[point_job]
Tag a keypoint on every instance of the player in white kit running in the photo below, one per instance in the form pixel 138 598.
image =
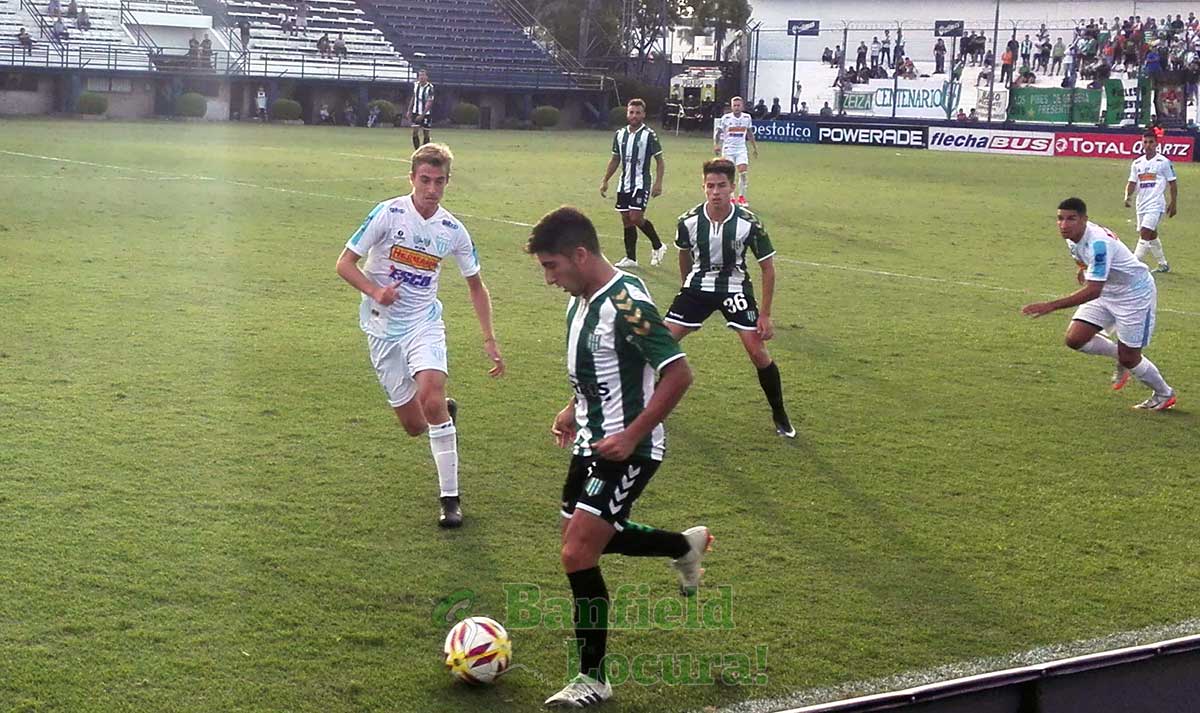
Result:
pixel 404 241
pixel 1118 292
pixel 1151 176
pixel 730 136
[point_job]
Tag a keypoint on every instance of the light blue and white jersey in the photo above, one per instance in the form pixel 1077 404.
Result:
pixel 1105 259
pixel 405 251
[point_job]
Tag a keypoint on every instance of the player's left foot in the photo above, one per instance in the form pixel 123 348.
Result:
pixel 1163 267
pixel 783 425
pixel 1158 402
pixel 625 262
pixel 451 516
pixel 581 692
pixel 657 255
pixel 1120 377
pixel 688 566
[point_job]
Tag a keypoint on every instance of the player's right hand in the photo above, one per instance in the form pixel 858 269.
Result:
pixel 385 295
pixel 563 428
pixel 1126 202
pixel 604 190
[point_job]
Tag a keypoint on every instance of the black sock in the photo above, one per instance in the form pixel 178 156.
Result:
pixel 591 619
pixel 638 540
pixel 648 229
pixel 631 243
pixel 768 379
pixel 426 136
pixel 416 142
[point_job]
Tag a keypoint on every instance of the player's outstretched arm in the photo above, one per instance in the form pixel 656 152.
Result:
pixel 481 300
pixel 1087 293
pixel 673 382
pixel 347 269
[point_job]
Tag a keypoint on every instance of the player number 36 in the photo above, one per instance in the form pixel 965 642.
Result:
pixel 736 303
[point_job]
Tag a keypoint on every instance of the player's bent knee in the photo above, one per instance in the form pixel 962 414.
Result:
pixel 1129 357
pixel 576 557
pixel 1074 342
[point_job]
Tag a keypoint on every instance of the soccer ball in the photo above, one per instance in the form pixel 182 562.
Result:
pixel 477 650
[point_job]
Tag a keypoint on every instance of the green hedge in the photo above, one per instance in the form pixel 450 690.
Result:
pixel 514 124
pixel 465 113
pixel 92 103
pixel 617 117
pixel 387 110
pixel 285 109
pixel 191 104
pixel 545 117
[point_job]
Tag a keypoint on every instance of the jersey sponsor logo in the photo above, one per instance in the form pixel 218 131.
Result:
pixel 404 277
pixel 399 236
pixel 591 390
pixel 413 258
pixel 395 209
pixel 450 224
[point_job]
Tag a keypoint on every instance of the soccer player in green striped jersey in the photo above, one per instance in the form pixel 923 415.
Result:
pixel 713 239
pixel 616 346
pixel 633 147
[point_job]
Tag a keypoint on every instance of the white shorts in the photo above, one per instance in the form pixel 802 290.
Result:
pixel 397 361
pixel 1149 221
pixel 1134 319
pixel 739 157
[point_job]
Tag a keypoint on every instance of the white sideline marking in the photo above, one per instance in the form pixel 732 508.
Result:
pixel 797 702
pixel 375 158
pixel 329 196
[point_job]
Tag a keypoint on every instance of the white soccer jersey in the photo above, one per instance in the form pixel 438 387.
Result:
pixel 405 251
pixel 732 130
pixel 1151 175
pixel 1106 259
pixel 422 94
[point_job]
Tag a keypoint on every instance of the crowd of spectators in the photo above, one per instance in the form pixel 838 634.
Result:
pixel 58 29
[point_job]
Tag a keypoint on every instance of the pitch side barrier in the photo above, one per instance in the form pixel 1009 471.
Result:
pixel 956 136
pixel 1163 677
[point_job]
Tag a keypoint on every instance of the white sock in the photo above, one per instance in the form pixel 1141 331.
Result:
pixel 1148 374
pixel 1140 251
pixel 443 441
pixel 744 181
pixel 1100 346
pixel 1157 251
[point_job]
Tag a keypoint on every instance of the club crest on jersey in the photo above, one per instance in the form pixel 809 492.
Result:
pixel 593 486
pixel 443 244
pixel 421 242
pixel 413 258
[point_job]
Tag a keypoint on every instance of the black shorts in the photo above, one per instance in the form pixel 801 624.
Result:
pixel 633 201
pixel 605 488
pixel 691 307
pixel 420 120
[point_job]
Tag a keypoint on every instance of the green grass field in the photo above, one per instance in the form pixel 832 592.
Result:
pixel 206 504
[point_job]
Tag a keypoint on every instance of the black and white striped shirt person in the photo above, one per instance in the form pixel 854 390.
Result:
pixel 421 108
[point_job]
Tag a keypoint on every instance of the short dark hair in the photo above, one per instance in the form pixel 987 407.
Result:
pixel 1149 134
pixel 722 166
pixel 561 231
pixel 1075 204
pixel 636 102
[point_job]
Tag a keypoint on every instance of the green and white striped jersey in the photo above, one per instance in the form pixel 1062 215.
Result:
pixel 635 149
pixel 719 248
pixel 616 343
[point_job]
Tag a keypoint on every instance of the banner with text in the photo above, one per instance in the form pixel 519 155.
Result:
pixel 890 135
pixel 1017 143
pixel 999 101
pixel 1055 106
pixel 1123 146
pixel 791 132
pixel 910 98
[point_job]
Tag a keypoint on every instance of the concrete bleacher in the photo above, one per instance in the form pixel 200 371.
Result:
pixel 273 50
pixel 465 40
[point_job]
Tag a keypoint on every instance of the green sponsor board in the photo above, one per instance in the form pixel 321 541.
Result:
pixel 859 101
pixel 1055 106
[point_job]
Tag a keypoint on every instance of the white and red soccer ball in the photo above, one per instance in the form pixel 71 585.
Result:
pixel 477 650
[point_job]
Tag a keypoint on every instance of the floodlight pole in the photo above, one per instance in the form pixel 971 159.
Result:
pixel 795 57
pixel 992 73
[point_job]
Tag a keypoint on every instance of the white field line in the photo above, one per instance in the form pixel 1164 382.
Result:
pixel 330 196
pixel 1043 654
pixel 374 158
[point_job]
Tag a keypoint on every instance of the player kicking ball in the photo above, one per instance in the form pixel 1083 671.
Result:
pixel 712 239
pixel 730 135
pixel 1118 292
pixel 627 374
pixel 405 240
